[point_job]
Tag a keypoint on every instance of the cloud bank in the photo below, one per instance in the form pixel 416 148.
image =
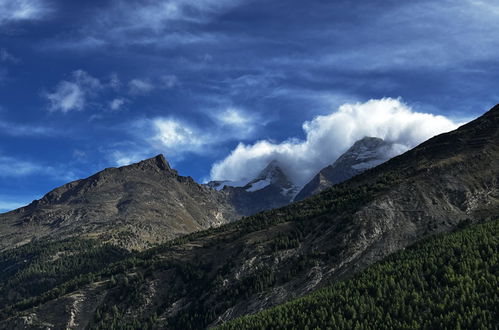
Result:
pixel 327 137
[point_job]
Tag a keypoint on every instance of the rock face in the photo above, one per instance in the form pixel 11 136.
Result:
pixel 363 155
pixel 271 188
pixel 132 206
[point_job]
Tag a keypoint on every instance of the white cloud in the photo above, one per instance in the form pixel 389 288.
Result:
pixel 140 86
pixel 72 95
pixel 126 158
pixel 117 104
pixel 327 137
pixel 175 136
pixel 233 117
pixel 23 10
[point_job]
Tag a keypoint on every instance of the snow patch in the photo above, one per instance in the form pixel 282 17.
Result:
pixel 259 185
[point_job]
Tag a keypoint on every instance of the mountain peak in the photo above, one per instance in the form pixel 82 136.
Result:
pixel 367 142
pixel 365 153
pixel 158 161
pixel 272 171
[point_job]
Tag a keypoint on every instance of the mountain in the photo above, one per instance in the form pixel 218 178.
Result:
pixel 209 277
pixel 271 188
pixel 133 206
pixel 364 154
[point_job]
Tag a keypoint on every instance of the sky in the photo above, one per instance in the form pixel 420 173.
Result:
pixel 223 87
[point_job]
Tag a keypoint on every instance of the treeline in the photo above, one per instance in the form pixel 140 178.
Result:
pixel 447 282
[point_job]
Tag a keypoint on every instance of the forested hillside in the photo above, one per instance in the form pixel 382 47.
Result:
pixel 447 282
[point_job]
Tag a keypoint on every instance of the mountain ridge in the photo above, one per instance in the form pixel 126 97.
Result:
pixel 143 203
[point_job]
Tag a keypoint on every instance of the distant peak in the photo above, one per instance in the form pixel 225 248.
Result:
pixel 270 169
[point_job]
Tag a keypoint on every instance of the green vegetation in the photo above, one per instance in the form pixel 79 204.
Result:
pixel 447 282
pixel 36 268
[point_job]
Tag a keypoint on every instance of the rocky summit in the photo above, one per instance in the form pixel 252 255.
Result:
pixel 133 206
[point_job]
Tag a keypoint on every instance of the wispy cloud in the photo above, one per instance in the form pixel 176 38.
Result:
pixel 22 130
pixel 12 167
pixel 177 137
pixel 117 104
pixel 140 86
pixel 144 86
pixel 73 94
pixel 152 23
pixel 5 56
pixel 23 10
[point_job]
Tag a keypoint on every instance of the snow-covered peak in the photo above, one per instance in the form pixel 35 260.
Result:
pixel 365 153
pixel 271 175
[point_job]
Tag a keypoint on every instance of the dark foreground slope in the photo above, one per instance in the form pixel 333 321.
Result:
pixel 447 282
pixel 131 206
pixel 264 260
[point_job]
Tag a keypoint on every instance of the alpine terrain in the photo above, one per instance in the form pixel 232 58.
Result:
pixel 132 206
pixel 72 280
pixel 269 189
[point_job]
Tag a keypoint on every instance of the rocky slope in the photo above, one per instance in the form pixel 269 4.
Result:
pixel 132 206
pixel 271 188
pixel 363 155
pixel 209 277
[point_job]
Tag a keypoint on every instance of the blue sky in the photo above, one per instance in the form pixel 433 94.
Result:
pixel 221 87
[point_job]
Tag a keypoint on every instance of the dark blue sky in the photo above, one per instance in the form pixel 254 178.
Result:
pixel 92 84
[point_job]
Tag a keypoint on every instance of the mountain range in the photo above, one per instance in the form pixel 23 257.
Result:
pixel 69 269
pixel 143 204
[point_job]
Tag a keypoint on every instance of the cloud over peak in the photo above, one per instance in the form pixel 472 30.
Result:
pixel 328 136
